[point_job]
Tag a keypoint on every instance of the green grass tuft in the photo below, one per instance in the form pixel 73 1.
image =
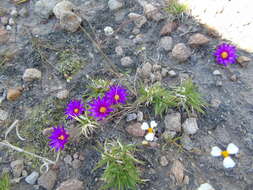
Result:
pixel 5 182
pixel 176 8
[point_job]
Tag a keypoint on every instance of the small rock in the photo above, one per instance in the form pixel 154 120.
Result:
pixel 63 94
pixel 76 155
pixel 219 83
pixel 140 116
pixel 68 159
pixel 152 12
pixel 31 74
pixel 32 178
pixel 71 184
pixel 126 61
pixel 47 180
pixel 14 93
pixel 81 157
pixel 139 20
pixel 158 76
pixel 115 4
pixel 24 173
pixel 131 117
pixel 164 72
pixel 146 69
pixel 215 102
pixel 119 50
pixel 233 78
pixel 135 130
pixel 168 28
pixel 76 164
pixel 8 27
pixel 69 21
pixel 44 8
pixel 62 7
pixel 243 59
pixel 181 52
pixel 14 12
pixel 108 31
pixel 4 36
pixel 11 21
pixel 166 43
pixel 24 12
pixel 4 20
pixel 205 186
pixel 47 131
pixel 164 161
pixel 173 122
pixel 3 115
pixel 17 167
pixel 217 72
pixel 197 40
pixel 157 67
pixel 186 142
pixel 190 126
pixel 172 73
pixel 177 170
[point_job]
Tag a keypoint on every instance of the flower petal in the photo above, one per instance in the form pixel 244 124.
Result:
pixel 144 126
pixel 232 148
pixel 216 151
pixel 228 162
pixel 153 124
pixel 150 136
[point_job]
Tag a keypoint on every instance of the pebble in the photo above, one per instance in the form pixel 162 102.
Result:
pixel 219 83
pixel 234 78
pixel 68 159
pixel 126 61
pixel 115 4
pixel 47 180
pixel 71 184
pixel 152 12
pixel 190 126
pixel 215 102
pixel 4 20
pixel 32 178
pixel 172 73
pixel 243 59
pixel 177 170
pixel 44 8
pixel 157 67
pixel 14 93
pixel 166 43
pixel 108 31
pixel 3 115
pixel 135 130
pixel 63 94
pixel 24 173
pixel 146 69
pixel 197 40
pixel 131 117
pixel 168 28
pixel 8 27
pixel 4 36
pixel 140 116
pixel 138 39
pixel 181 52
pixel 14 12
pixel 163 161
pixel 164 72
pixel 76 164
pixel 11 21
pixel 205 186
pixel 119 50
pixel 70 22
pixel 17 167
pixel 172 123
pixel 31 74
pixel 216 73
pixel 62 7
pixel 186 142
pixel 139 20
pixel 76 155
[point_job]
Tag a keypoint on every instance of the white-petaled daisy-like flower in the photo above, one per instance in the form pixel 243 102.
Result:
pixel 150 130
pixel 231 149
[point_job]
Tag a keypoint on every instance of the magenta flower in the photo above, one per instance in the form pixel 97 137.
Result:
pixel 117 94
pixel 225 54
pixel 100 108
pixel 74 109
pixel 59 138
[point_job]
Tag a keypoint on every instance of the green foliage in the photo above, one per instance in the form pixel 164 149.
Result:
pixel 120 171
pixel 175 8
pixel 5 182
pixel 185 96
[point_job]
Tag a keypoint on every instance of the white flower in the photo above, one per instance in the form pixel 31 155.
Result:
pixel 150 130
pixel 231 149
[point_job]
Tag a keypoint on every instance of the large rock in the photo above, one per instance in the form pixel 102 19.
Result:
pixel 44 8
pixel 71 184
pixel 135 130
pixel 47 180
pixel 181 52
pixel 62 7
pixel 17 167
pixel 115 4
pixel 197 40
pixel 190 126
pixel 31 74
pixel 166 43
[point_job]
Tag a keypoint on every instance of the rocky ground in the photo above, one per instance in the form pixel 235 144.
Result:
pixel 47 59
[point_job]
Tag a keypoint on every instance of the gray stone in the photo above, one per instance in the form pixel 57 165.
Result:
pixel 11 21
pixel 115 4
pixel 217 72
pixel 177 170
pixel 17 167
pixel 48 179
pixel 190 126
pixel 205 186
pixel 14 12
pixel 3 115
pixel 173 122
pixel 108 31
pixel 4 20
pixel 172 73
pixel 62 7
pixel 163 161
pixel 76 164
pixel 152 12
pixel 146 69
pixel 157 67
pixel 166 43
pixel 140 116
pixel 139 20
pixel 31 74
pixel 126 61
pixel 197 40
pixel 8 27
pixel 69 21
pixel 32 178
pixel 164 72
pixel 181 52
pixel 44 8
pixel 119 50
pixel 24 173
pixel 71 184
pixel 215 102
pixel 131 117
pixel 219 83
pixel 234 78
pixel 135 130
pixel 68 159
pixel 186 142
pixel 63 94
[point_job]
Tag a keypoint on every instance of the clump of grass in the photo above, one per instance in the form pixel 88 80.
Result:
pixel 185 96
pixel 5 182
pixel 120 171
pixel 176 8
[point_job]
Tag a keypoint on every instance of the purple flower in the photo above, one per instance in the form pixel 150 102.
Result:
pixel 59 138
pixel 117 94
pixel 74 109
pixel 100 108
pixel 225 54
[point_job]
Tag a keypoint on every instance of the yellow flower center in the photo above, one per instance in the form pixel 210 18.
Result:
pixel 61 137
pixel 116 97
pixel 224 54
pixel 76 110
pixel 150 130
pixel 102 109
pixel 225 154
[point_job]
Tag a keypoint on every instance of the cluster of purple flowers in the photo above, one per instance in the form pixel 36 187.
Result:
pixel 225 54
pixel 99 109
